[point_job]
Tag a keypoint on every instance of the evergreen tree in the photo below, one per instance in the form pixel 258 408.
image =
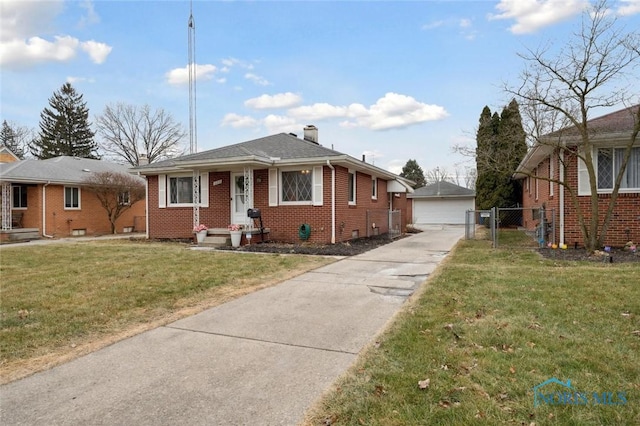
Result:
pixel 501 145
pixel 65 128
pixel 413 171
pixel 11 138
pixel 485 152
pixel 512 143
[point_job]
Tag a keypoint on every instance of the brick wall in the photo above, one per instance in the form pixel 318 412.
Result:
pixel 624 225
pixel 283 221
pixel 61 222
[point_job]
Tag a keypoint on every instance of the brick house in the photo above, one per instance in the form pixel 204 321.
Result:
pixel 47 198
pixel 292 181
pixel 611 134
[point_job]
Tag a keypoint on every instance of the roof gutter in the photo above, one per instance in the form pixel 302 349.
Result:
pixel 333 202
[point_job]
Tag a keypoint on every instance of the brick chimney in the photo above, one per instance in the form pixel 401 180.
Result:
pixel 143 160
pixel 311 133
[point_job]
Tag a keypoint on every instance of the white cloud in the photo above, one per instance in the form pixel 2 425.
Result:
pixel 395 166
pixel 21 44
pixel 35 50
pixel 21 19
pixel 629 7
pixel 280 124
pixel 261 81
pixel 98 52
pixel 239 121
pixel 465 23
pixel 280 100
pixel 72 80
pixel 91 17
pixel 178 76
pixel 391 111
pixel 532 15
pixel 432 25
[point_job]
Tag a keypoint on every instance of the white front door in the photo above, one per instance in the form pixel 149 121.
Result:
pixel 238 202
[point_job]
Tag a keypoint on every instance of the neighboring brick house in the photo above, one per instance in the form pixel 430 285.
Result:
pixel 611 133
pixel 47 198
pixel 292 181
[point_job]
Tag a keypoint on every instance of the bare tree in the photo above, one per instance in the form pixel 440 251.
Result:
pixel 438 175
pixel 557 93
pixel 16 138
pixel 117 192
pixel 129 131
pixel 470 177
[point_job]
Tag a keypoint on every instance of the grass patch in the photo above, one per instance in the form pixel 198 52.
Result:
pixel 488 327
pixel 63 300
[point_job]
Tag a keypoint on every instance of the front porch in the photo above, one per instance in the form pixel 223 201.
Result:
pixel 217 237
pixel 19 235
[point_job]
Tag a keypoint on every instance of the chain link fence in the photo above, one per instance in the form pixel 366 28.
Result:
pixel 383 221
pixel 505 227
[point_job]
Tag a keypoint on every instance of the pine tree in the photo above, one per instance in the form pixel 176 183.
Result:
pixel 65 128
pixel 485 153
pixel 10 138
pixel 413 171
pixel 501 145
pixel 512 143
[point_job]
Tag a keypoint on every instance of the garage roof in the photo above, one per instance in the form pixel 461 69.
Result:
pixel 442 189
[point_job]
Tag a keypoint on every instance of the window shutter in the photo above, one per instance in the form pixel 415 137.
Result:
pixel 162 191
pixel 273 187
pixel 204 189
pixel 583 178
pixel 317 186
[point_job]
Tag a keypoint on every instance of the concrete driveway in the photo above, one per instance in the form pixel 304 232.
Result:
pixel 262 359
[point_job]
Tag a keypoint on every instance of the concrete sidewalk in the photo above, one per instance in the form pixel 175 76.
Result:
pixel 262 359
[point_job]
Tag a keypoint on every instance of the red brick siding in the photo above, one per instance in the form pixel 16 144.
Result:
pixel 91 216
pixel 626 214
pixel 283 221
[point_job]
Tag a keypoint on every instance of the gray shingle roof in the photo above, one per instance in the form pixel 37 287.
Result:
pixel 442 189
pixel 282 146
pixel 62 169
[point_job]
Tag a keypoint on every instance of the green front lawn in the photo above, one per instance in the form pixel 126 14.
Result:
pixel 486 329
pixel 63 300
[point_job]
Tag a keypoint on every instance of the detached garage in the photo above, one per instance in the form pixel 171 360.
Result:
pixel 442 203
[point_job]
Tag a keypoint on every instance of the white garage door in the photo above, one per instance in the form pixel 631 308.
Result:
pixel 441 211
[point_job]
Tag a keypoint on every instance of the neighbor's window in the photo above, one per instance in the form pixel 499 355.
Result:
pixel 609 163
pixel 181 190
pixel 374 188
pixel 124 198
pixel 19 196
pixel 71 197
pixel 352 187
pixel 297 186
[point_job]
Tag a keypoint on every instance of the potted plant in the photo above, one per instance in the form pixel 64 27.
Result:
pixel 235 231
pixel 201 232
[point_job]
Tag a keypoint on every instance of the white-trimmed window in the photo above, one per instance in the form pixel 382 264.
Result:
pixel 19 196
pixel 297 186
pixel 374 188
pixel 609 161
pixel 71 198
pixel 124 198
pixel 180 190
pixel 177 190
pixel 352 187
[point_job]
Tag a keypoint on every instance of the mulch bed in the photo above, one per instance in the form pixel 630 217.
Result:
pixel 350 248
pixel 617 255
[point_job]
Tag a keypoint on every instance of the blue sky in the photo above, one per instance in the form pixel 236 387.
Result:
pixel 392 80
